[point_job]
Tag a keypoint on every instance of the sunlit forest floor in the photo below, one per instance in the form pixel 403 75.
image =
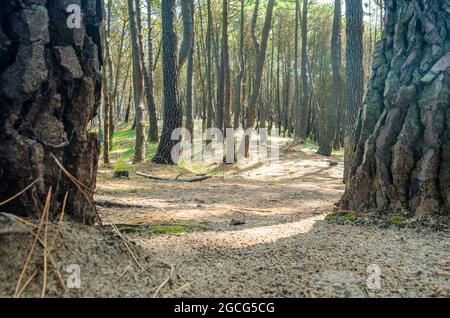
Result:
pixel 262 230
pixel 251 230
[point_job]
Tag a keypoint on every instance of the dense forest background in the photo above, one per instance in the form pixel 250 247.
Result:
pixel 216 82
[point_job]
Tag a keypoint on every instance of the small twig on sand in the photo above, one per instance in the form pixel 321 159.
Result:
pixel 44 279
pixel 33 245
pixel 165 282
pixel 177 179
pixel 126 243
pixel 79 185
pixel 39 240
pixel 125 271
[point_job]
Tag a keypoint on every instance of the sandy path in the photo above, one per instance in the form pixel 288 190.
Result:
pixel 284 248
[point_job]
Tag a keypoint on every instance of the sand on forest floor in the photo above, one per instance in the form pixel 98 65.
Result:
pixel 249 231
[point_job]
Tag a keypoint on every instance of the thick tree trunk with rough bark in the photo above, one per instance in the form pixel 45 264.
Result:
pixel 402 155
pixel 50 89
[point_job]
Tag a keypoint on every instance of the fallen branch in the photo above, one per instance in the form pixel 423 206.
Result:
pixel 195 179
pixel 293 144
pixel 117 204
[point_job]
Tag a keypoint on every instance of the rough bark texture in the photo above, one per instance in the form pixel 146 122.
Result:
pixel 402 157
pixel 172 106
pixel 50 89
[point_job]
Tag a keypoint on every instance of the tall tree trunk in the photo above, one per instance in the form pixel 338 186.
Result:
pixel 402 156
pixel 189 79
pixel 139 154
pixel 187 12
pixel 354 75
pixel 259 67
pixel 173 115
pixel 108 63
pixel 305 85
pixel 240 76
pixel 149 87
pixel 296 106
pixel 328 136
pixel 209 39
pixel 226 70
pixel 49 93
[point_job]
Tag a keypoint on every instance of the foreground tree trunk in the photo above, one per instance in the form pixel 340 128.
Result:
pixel 402 154
pixel 50 89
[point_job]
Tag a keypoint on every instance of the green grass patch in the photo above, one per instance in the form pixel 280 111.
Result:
pixel 168 229
pixel 121 165
pixel 342 216
pixel 160 229
pixel 397 219
pixel 310 145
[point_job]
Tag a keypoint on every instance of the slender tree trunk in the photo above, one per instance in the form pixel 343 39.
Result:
pixel 173 115
pixel 296 106
pixel 328 136
pixel 355 77
pixel 151 107
pixel 240 76
pixel 50 92
pixel 226 69
pixel 106 99
pixel 108 63
pixel 139 154
pixel 402 155
pixel 305 85
pixel 209 81
pixel 259 66
pixel 189 80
